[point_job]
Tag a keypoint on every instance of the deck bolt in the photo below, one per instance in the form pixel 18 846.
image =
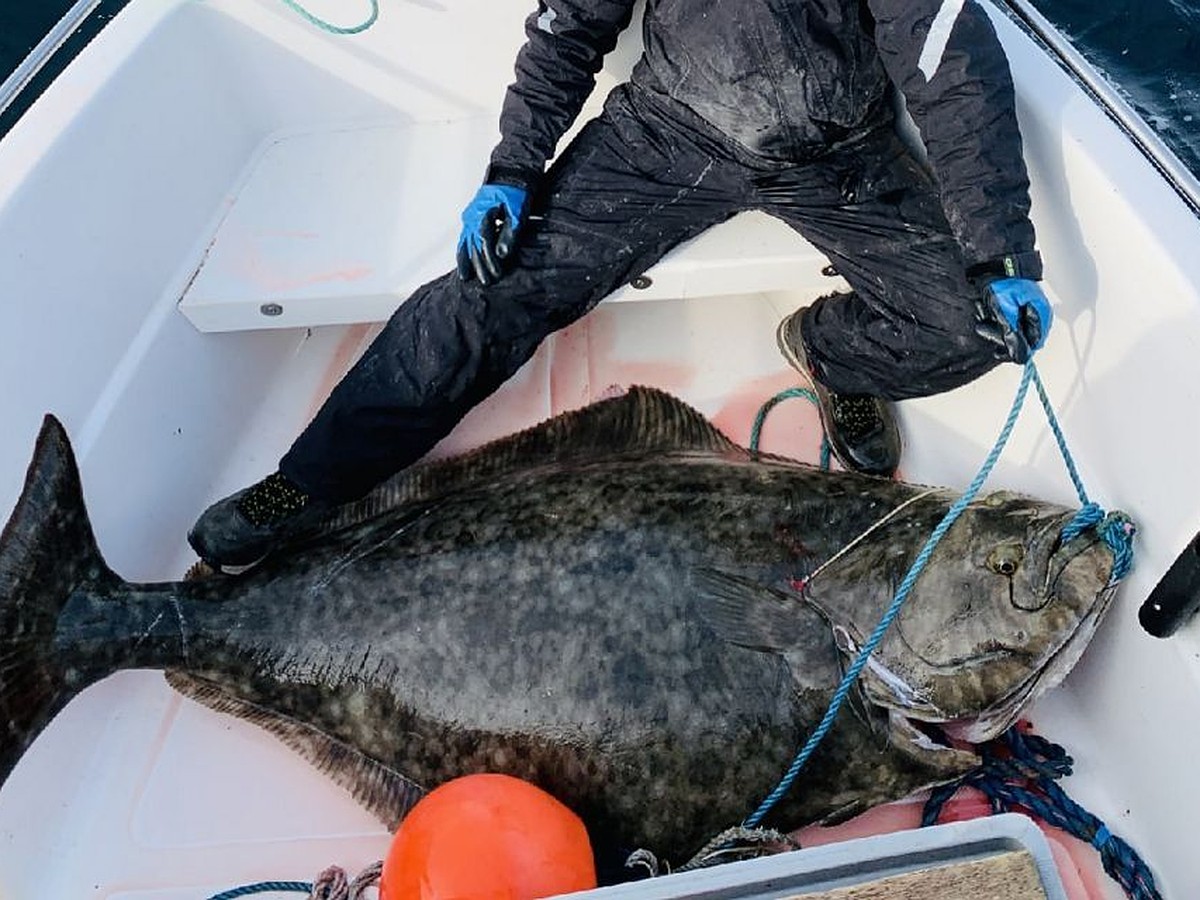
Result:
pixel 271 309
pixel 641 282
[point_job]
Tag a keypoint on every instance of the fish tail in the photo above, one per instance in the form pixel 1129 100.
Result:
pixel 47 549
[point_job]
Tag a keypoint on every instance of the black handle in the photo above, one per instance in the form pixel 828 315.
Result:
pixel 1176 597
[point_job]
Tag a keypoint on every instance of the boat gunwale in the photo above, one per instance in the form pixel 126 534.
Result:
pixel 37 58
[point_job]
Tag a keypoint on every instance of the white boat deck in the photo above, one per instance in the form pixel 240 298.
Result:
pixel 191 153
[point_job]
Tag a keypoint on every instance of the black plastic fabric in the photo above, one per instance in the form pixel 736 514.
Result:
pixel 784 79
pixel 641 178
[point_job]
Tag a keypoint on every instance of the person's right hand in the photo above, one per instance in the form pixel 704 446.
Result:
pixel 1015 314
pixel 490 225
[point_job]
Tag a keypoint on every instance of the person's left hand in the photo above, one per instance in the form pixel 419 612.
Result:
pixel 1014 313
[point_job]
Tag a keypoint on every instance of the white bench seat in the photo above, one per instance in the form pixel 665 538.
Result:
pixel 339 226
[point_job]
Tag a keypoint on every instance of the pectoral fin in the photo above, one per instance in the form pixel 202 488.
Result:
pixel 748 614
pixel 380 790
pixel 762 618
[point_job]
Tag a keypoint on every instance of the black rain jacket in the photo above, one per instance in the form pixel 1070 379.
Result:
pixel 787 78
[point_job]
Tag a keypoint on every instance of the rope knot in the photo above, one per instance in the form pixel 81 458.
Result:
pixel 1088 516
pixel 335 884
pixel 1118 531
pixel 332 884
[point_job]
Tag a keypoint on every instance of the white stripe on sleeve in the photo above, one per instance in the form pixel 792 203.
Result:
pixel 939 37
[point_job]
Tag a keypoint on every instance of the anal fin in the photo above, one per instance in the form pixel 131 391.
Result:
pixel 380 790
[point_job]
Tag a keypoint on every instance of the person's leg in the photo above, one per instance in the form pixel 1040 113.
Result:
pixel 907 328
pixel 628 189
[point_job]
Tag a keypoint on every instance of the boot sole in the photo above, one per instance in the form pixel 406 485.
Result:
pixel 793 360
pixel 788 353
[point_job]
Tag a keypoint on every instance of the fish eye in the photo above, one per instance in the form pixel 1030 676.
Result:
pixel 1006 559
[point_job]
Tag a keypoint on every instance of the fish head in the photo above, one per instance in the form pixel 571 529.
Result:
pixel 1001 613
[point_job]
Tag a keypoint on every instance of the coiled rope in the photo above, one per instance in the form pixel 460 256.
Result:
pixel 791 393
pixel 332 884
pixel 1020 772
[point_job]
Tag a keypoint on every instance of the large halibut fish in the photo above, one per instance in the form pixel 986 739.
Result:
pixel 619 605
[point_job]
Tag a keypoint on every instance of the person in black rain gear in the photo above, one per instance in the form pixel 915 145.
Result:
pixel 776 105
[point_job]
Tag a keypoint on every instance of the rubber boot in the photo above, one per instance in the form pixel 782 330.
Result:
pixel 861 429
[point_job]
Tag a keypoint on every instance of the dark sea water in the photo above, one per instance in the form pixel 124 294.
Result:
pixel 22 26
pixel 1149 49
pixel 23 23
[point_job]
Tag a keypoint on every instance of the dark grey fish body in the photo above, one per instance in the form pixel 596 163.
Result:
pixel 607 606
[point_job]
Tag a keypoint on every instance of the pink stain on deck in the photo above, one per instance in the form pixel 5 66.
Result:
pixel 673 379
pixel 607 367
pixel 280 284
pixel 570 377
pixel 559 378
pixel 792 428
pixel 521 402
pixel 251 263
pixel 571 369
pixel 349 349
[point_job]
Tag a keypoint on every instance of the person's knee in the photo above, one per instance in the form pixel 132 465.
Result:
pixel 855 347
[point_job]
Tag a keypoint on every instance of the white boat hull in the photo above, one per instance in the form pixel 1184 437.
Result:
pixel 112 188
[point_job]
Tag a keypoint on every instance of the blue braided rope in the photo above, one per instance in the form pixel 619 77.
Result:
pixel 1058 434
pixel 1118 530
pixel 265 887
pixel 295 6
pixel 876 638
pixel 1020 771
pixel 1115 529
pixel 761 418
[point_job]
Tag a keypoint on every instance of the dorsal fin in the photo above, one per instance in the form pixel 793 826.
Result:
pixel 640 422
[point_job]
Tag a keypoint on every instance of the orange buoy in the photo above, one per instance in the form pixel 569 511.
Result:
pixel 487 837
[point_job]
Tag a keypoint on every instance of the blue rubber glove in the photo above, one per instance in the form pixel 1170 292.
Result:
pixel 490 225
pixel 1016 315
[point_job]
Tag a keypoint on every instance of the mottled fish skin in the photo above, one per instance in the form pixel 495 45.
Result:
pixel 609 614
